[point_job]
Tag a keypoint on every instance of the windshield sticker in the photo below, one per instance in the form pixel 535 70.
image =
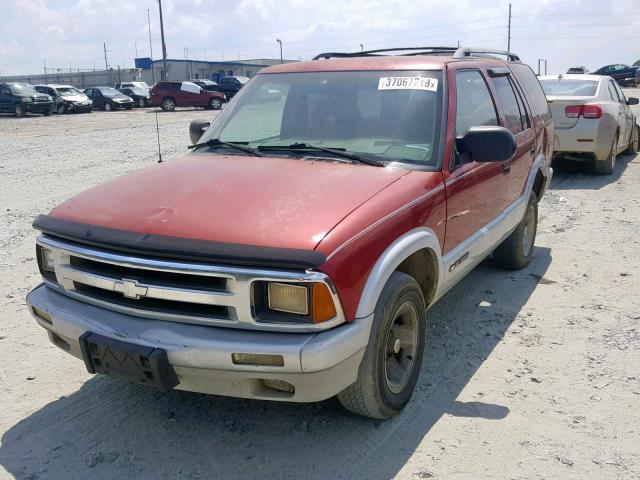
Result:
pixel 408 83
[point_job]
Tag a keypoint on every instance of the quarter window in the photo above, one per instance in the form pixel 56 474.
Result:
pixel 474 105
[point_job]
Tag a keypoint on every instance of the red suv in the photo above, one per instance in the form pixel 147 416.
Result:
pixel 306 235
pixel 169 95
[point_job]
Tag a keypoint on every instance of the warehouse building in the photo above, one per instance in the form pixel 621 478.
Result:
pixel 178 69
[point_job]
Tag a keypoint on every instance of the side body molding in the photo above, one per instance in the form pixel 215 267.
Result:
pixel 394 255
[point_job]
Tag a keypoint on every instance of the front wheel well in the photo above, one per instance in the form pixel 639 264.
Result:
pixel 423 266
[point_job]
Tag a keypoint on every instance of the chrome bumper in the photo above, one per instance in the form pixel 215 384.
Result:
pixel 318 365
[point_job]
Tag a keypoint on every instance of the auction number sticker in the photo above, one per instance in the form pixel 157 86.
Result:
pixel 408 83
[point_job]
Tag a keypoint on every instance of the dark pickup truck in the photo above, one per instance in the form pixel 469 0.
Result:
pixel 231 85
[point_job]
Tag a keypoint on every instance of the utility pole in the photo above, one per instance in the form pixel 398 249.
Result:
pixel 509 31
pixel 164 46
pixel 44 65
pixel 106 65
pixel 153 75
pixel 280 42
pixel 136 47
pixel 361 47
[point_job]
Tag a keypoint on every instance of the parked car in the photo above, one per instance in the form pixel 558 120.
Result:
pixel 143 85
pixel 209 85
pixel 593 121
pixel 170 95
pixel 231 85
pixel 293 254
pixel 66 98
pixel 576 70
pixel 140 95
pixel 108 99
pixel 623 74
pixel 22 98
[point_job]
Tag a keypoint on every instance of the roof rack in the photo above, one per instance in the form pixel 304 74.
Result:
pixel 456 52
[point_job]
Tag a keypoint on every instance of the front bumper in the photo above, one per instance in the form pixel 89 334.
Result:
pixel 37 107
pixel 318 365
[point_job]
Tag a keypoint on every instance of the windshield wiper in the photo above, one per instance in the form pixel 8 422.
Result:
pixel 338 152
pixel 215 142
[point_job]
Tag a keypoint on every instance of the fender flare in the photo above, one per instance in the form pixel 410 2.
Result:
pixel 394 255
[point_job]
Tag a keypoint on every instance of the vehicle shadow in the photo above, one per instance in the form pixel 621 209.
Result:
pixel 575 175
pixel 110 429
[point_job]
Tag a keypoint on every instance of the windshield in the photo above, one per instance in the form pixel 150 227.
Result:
pixel 570 88
pixel 109 92
pixel 68 91
pixel 22 89
pixel 388 115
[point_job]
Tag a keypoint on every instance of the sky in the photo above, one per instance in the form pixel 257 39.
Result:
pixel 70 33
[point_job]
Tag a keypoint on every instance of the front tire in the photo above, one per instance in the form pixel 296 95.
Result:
pixel 632 149
pixel 389 370
pixel 516 251
pixel 61 109
pixel 606 167
pixel 107 107
pixel 19 111
pixel 142 103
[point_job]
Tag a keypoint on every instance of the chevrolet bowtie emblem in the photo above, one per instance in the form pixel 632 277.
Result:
pixel 131 289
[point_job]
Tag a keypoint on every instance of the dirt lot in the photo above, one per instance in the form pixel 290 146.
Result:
pixel 544 382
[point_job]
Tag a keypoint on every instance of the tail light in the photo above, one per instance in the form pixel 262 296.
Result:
pixel 587 111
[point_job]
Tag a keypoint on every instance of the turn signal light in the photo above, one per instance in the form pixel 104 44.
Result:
pixel 323 308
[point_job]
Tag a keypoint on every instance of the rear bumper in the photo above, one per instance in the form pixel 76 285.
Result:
pixel 318 365
pixel 586 136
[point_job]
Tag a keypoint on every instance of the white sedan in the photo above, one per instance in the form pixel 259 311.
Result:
pixel 593 121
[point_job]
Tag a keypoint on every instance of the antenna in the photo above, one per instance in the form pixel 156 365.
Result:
pixel 153 80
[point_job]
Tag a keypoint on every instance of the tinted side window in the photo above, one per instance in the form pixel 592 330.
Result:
pixel 532 90
pixel 474 105
pixel 509 104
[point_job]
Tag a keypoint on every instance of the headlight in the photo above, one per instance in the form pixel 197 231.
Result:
pixel 307 302
pixel 26 99
pixel 46 257
pixel 288 298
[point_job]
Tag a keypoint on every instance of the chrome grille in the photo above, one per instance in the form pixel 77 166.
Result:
pixel 170 290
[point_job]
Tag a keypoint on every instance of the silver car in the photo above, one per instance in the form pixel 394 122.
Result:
pixel 593 121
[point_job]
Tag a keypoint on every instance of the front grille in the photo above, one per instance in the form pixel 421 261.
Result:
pixel 180 291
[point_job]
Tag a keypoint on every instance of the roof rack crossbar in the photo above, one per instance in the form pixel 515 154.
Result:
pixel 457 52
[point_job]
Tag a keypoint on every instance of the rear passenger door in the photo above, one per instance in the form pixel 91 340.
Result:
pixel 626 117
pixel 514 116
pixel 476 192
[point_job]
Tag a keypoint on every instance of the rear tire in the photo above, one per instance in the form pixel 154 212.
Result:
pixel 389 370
pixel 215 104
pixel 632 149
pixel 168 104
pixel 142 103
pixel 606 167
pixel 516 251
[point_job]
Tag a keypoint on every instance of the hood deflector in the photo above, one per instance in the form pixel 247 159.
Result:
pixel 189 249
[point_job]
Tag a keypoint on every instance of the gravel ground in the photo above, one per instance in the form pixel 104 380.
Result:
pixel 542 381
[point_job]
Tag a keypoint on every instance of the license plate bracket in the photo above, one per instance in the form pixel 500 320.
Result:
pixel 129 361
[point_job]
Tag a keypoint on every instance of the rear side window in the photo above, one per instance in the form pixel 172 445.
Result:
pixel 532 90
pixel 621 96
pixel 514 115
pixel 474 105
pixel 612 92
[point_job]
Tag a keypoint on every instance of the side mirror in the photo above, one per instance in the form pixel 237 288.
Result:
pixel 487 144
pixel 632 101
pixel 197 128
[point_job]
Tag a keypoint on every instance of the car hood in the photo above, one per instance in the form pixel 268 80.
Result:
pixel 75 98
pixel 263 201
